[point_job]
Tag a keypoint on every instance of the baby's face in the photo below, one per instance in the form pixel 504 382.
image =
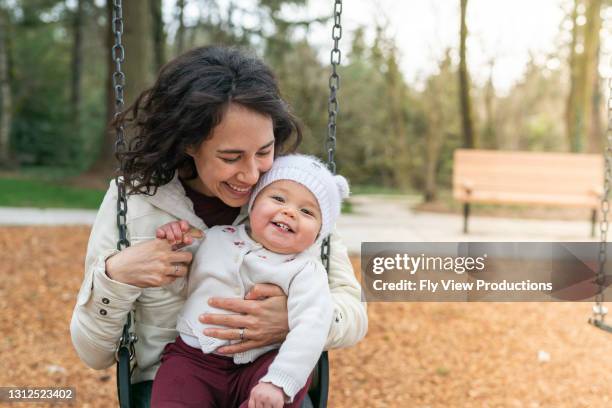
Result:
pixel 285 217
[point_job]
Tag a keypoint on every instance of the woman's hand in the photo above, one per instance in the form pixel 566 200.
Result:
pixel 148 264
pixel 262 314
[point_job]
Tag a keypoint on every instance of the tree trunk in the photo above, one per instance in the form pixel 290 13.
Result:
pixel 432 154
pixel 583 73
pixel 77 67
pixel 5 94
pixel 159 35
pixel 570 109
pixel 467 121
pixel 596 132
pixel 138 47
pixel 180 32
pixel 488 135
pixel 400 155
pixel 591 80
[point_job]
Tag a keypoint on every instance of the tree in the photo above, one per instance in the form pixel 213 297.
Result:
pixel 582 109
pixel 396 91
pixel 441 129
pixel 137 67
pixel 469 138
pixel 77 65
pixel 5 92
pixel 159 34
pixel 180 32
pixel 442 117
pixel 591 61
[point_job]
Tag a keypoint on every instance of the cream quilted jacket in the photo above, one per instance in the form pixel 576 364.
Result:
pixel 103 304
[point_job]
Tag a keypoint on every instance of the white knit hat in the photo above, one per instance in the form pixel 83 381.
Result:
pixel 329 190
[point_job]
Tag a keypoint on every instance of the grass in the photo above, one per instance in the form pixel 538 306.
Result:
pixel 44 173
pixel 347 207
pixel 34 193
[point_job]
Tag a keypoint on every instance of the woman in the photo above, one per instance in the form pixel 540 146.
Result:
pixel 203 134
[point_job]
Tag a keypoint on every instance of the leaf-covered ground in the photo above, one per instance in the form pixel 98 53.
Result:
pixel 415 354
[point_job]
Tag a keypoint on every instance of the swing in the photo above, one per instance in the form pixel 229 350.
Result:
pixel 318 393
pixel 599 310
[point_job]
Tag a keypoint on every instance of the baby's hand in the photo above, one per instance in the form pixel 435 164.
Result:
pixel 266 395
pixel 178 233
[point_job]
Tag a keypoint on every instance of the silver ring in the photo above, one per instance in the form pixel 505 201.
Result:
pixel 242 333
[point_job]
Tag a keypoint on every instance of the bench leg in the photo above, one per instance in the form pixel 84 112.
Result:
pixel 466 214
pixel 593 222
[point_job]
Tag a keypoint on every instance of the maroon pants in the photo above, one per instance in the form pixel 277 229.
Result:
pixel 190 378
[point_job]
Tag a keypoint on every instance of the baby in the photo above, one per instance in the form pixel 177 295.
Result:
pixel 292 209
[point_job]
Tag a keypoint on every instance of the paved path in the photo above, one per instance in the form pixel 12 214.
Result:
pixel 45 216
pixel 380 219
pixel 374 218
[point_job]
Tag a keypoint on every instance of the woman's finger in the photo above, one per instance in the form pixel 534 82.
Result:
pixel 235 305
pixel 264 290
pixel 178 270
pixel 226 334
pixel 180 257
pixel 233 321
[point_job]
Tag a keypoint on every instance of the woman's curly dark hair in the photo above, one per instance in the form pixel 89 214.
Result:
pixel 189 98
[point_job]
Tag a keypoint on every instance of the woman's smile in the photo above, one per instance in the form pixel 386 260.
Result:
pixel 238 190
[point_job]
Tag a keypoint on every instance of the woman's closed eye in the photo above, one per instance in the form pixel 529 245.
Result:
pixel 230 159
pixel 264 154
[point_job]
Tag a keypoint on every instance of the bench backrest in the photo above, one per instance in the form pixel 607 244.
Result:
pixel 528 174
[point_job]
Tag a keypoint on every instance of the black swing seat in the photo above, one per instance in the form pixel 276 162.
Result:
pixel 600 325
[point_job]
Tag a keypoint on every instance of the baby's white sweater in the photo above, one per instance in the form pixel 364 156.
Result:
pixel 227 264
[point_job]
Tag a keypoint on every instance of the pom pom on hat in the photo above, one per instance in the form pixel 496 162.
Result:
pixel 328 189
pixel 343 186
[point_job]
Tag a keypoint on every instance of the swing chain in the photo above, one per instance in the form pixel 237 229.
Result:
pixel 599 310
pixel 332 110
pixel 334 86
pixel 118 55
pixel 127 339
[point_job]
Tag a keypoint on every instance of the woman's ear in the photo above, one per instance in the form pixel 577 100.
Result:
pixel 190 150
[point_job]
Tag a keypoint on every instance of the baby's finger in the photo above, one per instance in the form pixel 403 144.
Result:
pixel 184 225
pixel 169 234
pixel 187 239
pixel 176 230
pixel 160 233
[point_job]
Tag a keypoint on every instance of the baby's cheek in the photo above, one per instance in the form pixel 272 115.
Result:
pixel 314 229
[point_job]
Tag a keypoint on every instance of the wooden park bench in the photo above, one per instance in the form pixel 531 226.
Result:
pixel 532 178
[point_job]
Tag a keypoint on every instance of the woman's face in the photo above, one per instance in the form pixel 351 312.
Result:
pixel 230 162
